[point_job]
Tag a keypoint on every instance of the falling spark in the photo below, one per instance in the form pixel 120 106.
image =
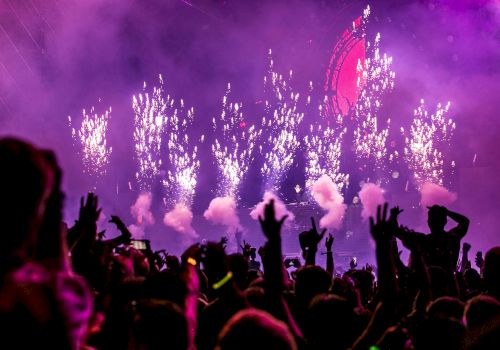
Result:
pixel 234 149
pixel 323 151
pixel 150 121
pixel 375 80
pixel 183 157
pixel 281 123
pixel 427 135
pixel 91 136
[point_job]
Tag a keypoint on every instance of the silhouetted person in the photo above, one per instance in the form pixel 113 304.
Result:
pixel 439 248
pixel 42 304
pixel 254 329
pixel 491 272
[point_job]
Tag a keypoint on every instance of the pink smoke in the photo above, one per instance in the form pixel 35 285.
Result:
pixel 371 196
pixel 280 209
pixel 328 197
pixel 141 210
pixel 180 219
pixel 432 194
pixel 222 210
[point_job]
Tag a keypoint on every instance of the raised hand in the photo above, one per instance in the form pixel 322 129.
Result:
pixel 329 242
pixel 380 229
pixel 270 225
pixel 262 252
pixel 246 249
pixel 117 221
pixel 310 239
pixel 89 209
pixel 466 247
pixel 120 225
pixel 395 211
pixel 479 259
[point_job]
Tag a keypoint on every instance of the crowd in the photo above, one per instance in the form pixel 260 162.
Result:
pixel 71 288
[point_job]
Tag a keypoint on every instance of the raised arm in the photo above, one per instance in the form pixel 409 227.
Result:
pixel 125 235
pixel 309 241
pixel 274 278
pixel 385 313
pixel 463 223
pixel 330 267
pixel 465 262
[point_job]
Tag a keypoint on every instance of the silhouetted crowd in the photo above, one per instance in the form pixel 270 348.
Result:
pixel 72 288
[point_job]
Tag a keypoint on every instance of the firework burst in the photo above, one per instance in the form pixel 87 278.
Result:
pixel 183 157
pixel 91 136
pixel 150 122
pixel 427 134
pixel 375 80
pixel 234 150
pixel 323 148
pixel 281 124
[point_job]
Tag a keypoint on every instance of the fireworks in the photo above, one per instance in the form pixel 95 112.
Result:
pixel 233 151
pixel 91 135
pixel 182 178
pixel 375 79
pixel 323 151
pixel 150 121
pixel 426 136
pixel 281 124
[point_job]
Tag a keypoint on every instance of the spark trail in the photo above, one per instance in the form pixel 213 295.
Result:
pixel 375 80
pixel 150 122
pixel 281 125
pixel 425 142
pixel 323 147
pixel 233 149
pixel 91 135
pixel 183 158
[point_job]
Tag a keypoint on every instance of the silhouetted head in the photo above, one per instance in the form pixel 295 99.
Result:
pixel 445 307
pixel 330 323
pixel 480 310
pixel 252 329
pixel 491 271
pixel 439 333
pixel 159 326
pixel 472 279
pixel 364 282
pixel 26 182
pixel 311 281
pixel 437 218
pixel 238 265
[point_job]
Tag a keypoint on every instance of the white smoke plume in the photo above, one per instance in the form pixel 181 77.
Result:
pixel 280 209
pixel 371 196
pixel 141 212
pixel 180 219
pixel 222 210
pixel 328 197
pixel 432 194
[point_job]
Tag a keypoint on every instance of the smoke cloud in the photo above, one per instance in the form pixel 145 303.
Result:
pixel 432 194
pixel 222 210
pixel 280 209
pixel 328 197
pixel 371 196
pixel 141 212
pixel 180 219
